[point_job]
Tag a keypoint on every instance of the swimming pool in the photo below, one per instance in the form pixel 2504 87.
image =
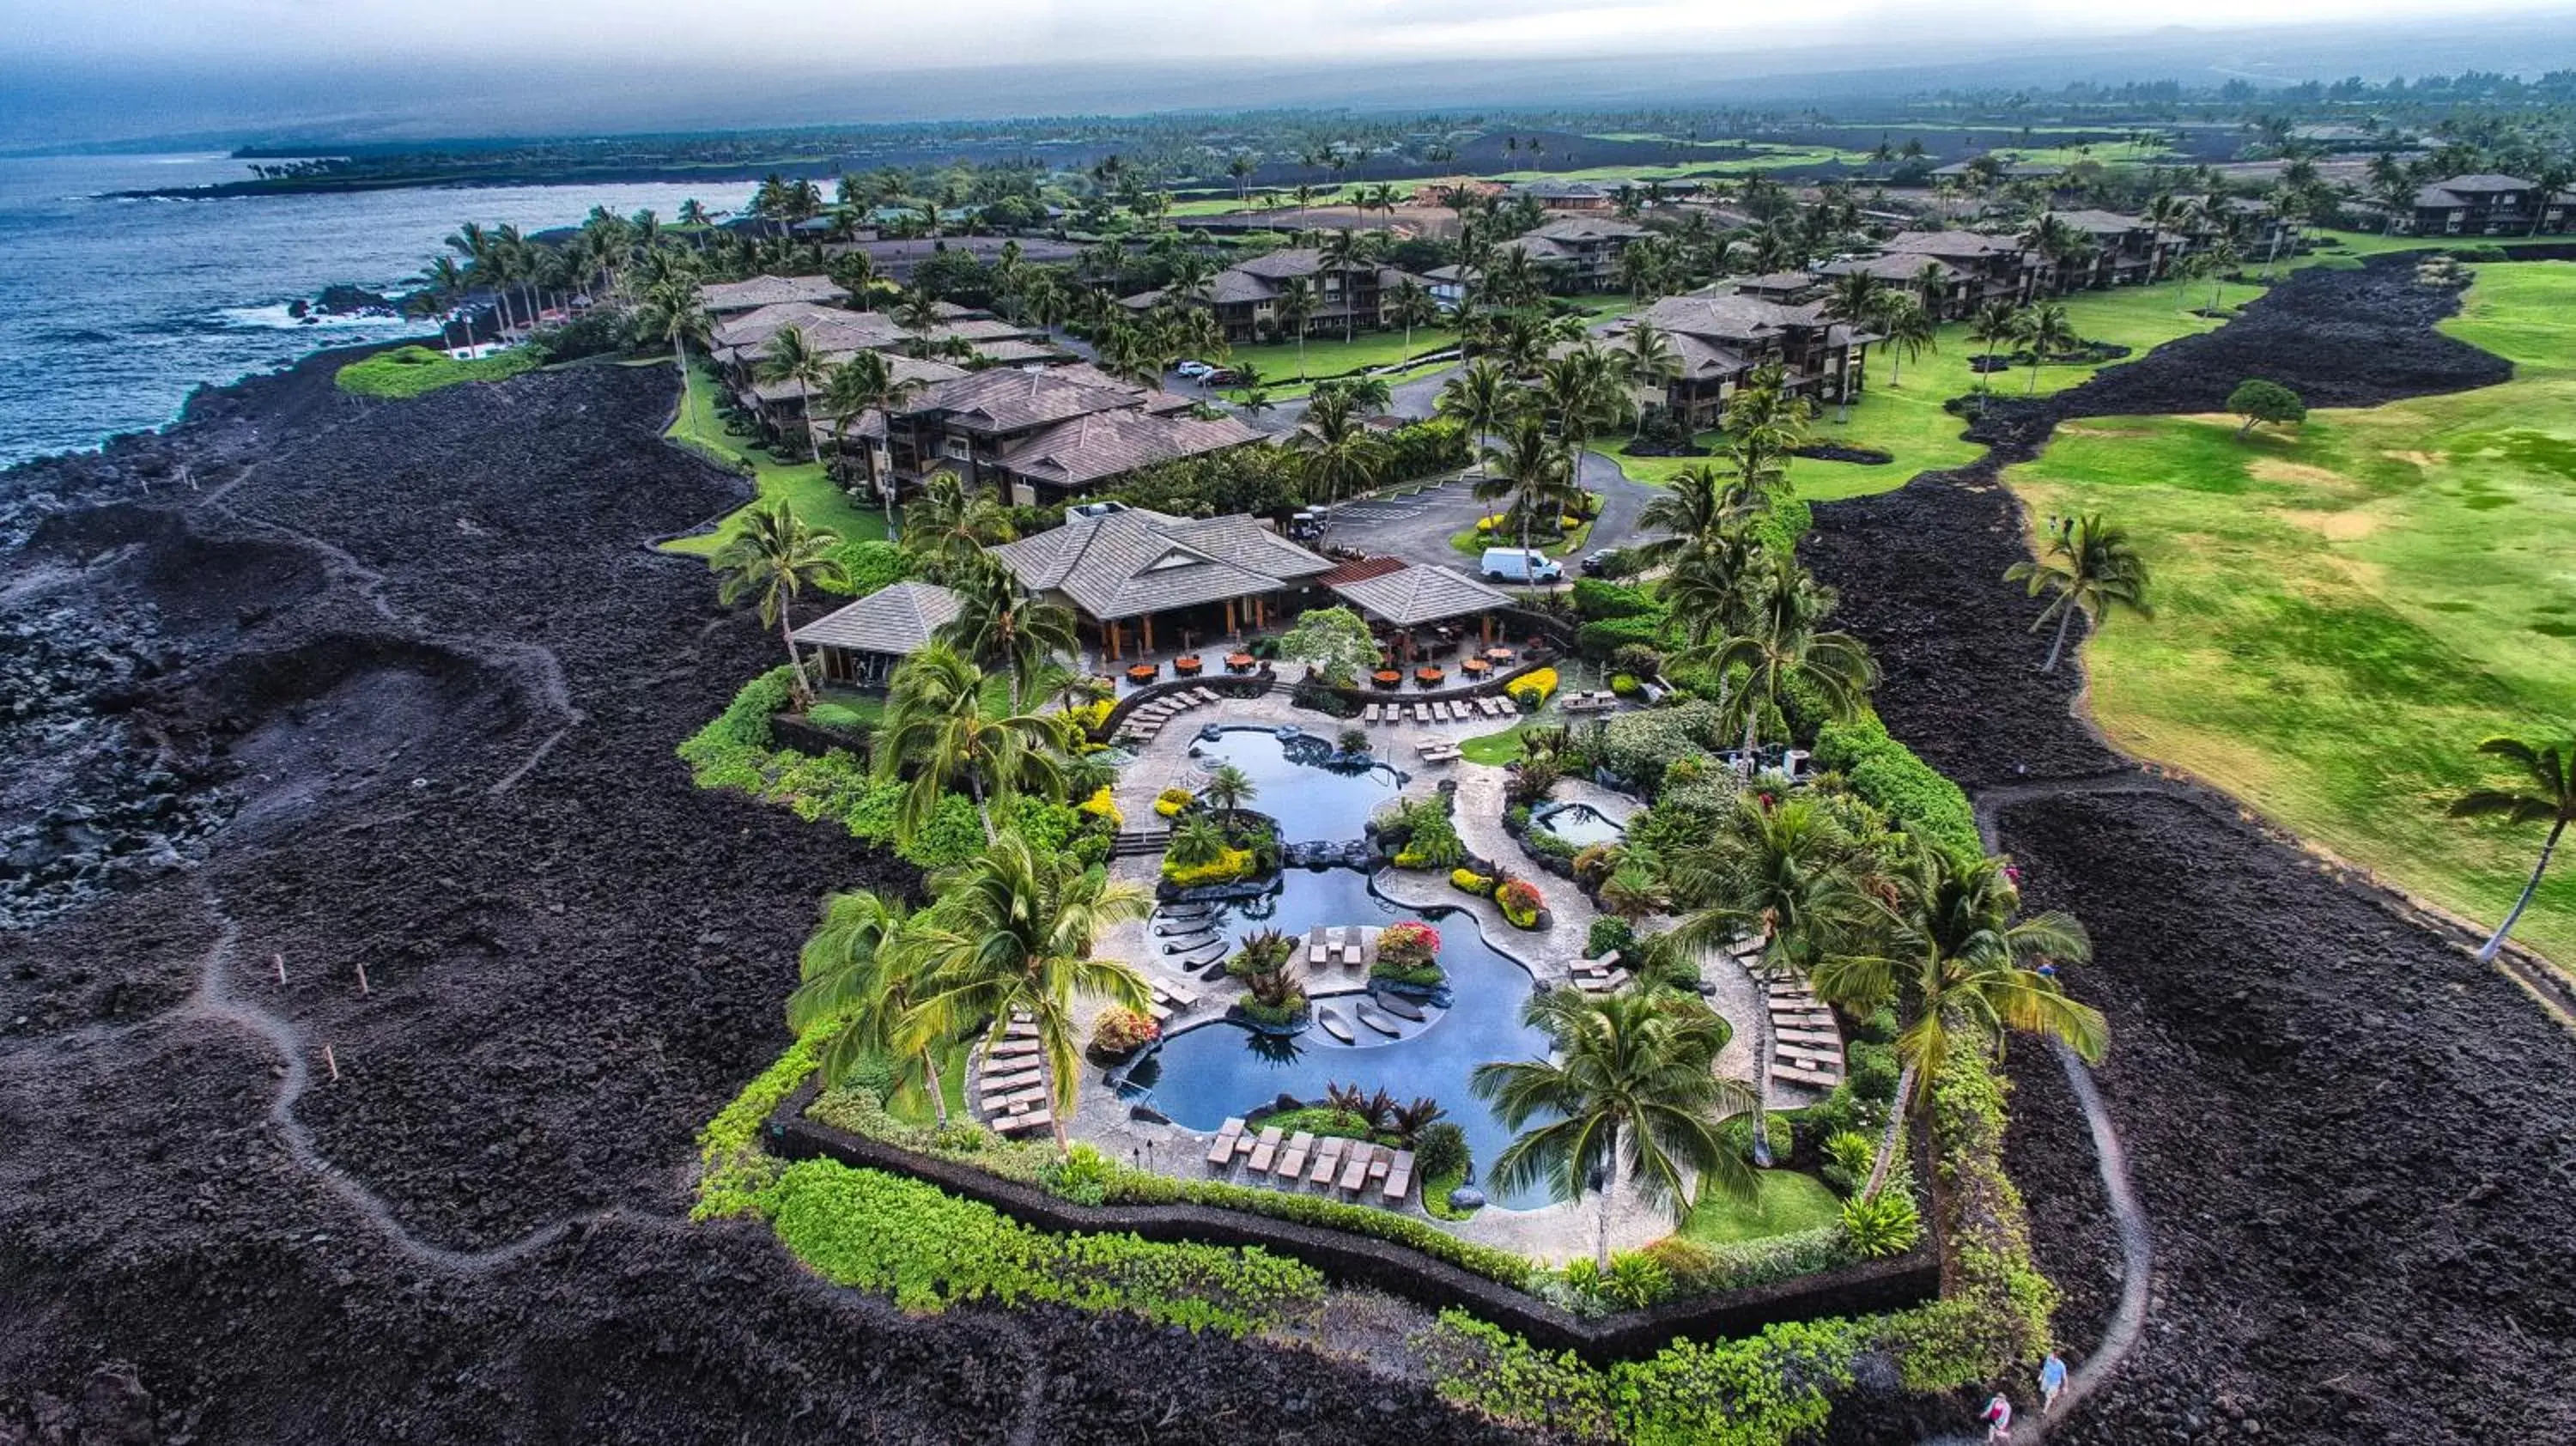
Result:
pixel 1579 824
pixel 1202 1075
pixel 1313 803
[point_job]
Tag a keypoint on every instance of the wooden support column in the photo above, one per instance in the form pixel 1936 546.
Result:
pixel 1147 623
pixel 1229 616
pixel 1486 620
pixel 1110 631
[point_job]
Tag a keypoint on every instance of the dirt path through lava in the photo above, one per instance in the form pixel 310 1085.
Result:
pixel 2349 1139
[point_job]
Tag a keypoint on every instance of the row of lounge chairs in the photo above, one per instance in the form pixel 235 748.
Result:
pixel 1351 946
pixel 1353 1167
pixel 1604 975
pixel 1599 700
pixel 1438 751
pixel 1806 1043
pixel 1148 719
pixel 1461 710
pixel 1012 1094
pixel 1170 999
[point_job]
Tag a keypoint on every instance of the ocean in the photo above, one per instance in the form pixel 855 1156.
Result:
pixel 115 309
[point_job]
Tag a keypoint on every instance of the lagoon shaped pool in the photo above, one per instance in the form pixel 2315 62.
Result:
pixel 1313 803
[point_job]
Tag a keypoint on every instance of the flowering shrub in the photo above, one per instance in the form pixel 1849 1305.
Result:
pixel 1468 881
pixel 1101 806
pixel 1520 902
pixel 1225 868
pixel 1122 1031
pixel 1532 689
pixel 1408 944
pixel 1089 716
pixel 1171 801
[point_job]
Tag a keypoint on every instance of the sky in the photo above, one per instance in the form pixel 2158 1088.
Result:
pixel 224 72
pixel 886 34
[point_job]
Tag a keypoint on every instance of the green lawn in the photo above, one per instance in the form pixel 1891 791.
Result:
pixel 803 486
pixel 2345 610
pixel 1901 414
pixel 1328 355
pixel 403 372
pixel 1471 543
pixel 1789 1201
pixel 1495 749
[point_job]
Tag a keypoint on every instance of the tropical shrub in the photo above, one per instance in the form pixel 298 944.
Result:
pixel 1595 600
pixel 1353 740
pixel 1468 881
pixel 1609 934
pixel 1609 636
pixel 1640 746
pixel 1171 801
pixel 1081 1175
pixel 1737 1132
pixel 1123 1031
pixel 1883 1224
pixel 1409 942
pixel 870 565
pixel 1595 863
pixel 1103 807
pixel 1638 660
pixel 930 1250
pixel 1624 684
pixel 1531 779
pixel 1441 1153
pixel 1229 865
pixel 1532 689
pixel 1429 837
pixel 839 717
pixel 1520 902
pixel 1089 716
pixel 1887 773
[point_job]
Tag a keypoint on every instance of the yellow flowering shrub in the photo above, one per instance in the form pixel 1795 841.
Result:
pixel 1101 806
pixel 1532 689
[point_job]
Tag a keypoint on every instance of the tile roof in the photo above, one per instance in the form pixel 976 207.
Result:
pixel 1124 564
pixel 1897 266
pixel 1952 244
pixel 758 323
pixel 1413 596
pixel 2101 223
pixel 1727 318
pixel 1105 444
pixel 1006 399
pixel 893 620
pixel 1280 265
pixel 767 291
pixel 1586 228
pixel 1012 350
pixel 1362 567
pixel 904 369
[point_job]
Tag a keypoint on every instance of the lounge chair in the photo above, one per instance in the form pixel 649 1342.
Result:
pixel 1292 1161
pixel 1318 951
pixel 1023 1124
pixel 1328 1160
pixel 1355 1170
pixel 1369 713
pixel 1221 1153
pixel 1265 1149
pixel 1399 1178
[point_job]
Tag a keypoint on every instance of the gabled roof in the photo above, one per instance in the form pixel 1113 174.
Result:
pixel 1106 444
pixel 903 369
pixel 893 620
pixel 1968 245
pixel 1586 228
pixel 760 323
pixel 1724 318
pixel 1010 351
pixel 1565 190
pixel 725 296
pixel 2483 182
pixel 1900 267
pixel 1125 564
pixel 1010 400
pixel 2101 223
pixel 1280 265
pixel 1413 596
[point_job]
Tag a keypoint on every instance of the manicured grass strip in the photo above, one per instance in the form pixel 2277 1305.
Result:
pixel 804 486
pixel 1788 1202
pixel 2345 610
pixel 1328 355
pixel 405 372
pixel 1495 749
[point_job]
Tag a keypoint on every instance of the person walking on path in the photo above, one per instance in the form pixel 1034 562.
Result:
pixel 2052 1379
pixel 1998 1419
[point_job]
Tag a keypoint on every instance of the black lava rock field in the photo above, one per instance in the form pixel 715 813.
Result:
pixel 313 686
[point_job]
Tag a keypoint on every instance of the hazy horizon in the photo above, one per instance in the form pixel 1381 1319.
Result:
pixel 223 72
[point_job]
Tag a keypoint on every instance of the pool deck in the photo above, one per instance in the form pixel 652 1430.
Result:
pixel 1553 1233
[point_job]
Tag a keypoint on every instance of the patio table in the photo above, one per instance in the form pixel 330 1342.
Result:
pixel 1144 673
pixel 1428 677
pixel 1187 667
pixel 1498 655
pixel 1239 662
pixel 1475 667
pixel 1389 678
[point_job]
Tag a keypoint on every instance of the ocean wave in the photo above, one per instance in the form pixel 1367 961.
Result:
pixel 277 318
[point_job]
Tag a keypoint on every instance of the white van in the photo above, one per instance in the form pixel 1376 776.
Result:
pixel 1511 564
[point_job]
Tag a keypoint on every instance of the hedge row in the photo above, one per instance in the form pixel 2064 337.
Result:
pixel 1915 796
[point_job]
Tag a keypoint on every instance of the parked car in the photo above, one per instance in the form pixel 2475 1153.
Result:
pixel 1512 564
pixel 1603 562
pixel 1222 377
pixel 1196 370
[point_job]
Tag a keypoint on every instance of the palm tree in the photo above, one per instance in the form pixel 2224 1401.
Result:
pixel 1960 958
pixel 1651 361
pixel 858 967
pixel 1342 455
pixel 1854 298
pixel 1781 644
pixel 1294 306
pixel 935 726
pixel 1931 279
pixel 1241 166
pixel 997 625
pixel 1701 501
pixel 1995 322
pixel 1634 1091
pixel 1411 307
pixel 1228 789
pixel 792 358
pixel 1764 426
pixel 1347 251
pixel 947 527
pixel 1480 398
pixel 2549 769
pixel 1532 468
pixel 1785 872
pixel 1585 389
pixel 2092 568
pixel 773 556
pixel 1705 589
pixel 1909 329
pixel 865 383
pixel 1013 936
pixel 2044 329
